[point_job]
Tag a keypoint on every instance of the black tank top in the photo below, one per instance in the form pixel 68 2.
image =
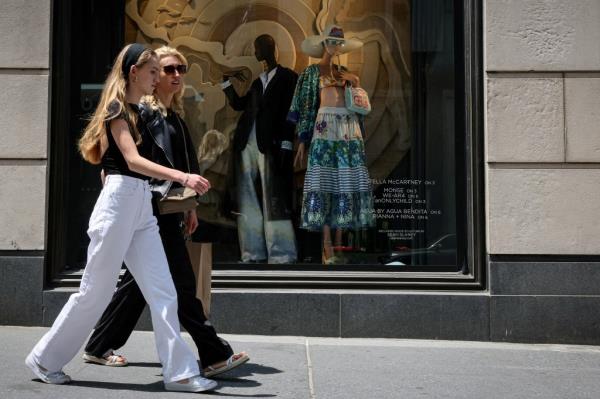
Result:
pixel 113 161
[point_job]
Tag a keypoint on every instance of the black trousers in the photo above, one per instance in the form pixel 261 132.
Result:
pixel 121 315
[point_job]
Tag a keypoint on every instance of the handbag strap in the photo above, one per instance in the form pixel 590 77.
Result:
pixel 187 157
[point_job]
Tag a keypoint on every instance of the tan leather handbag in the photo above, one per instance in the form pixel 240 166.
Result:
pixel 180 199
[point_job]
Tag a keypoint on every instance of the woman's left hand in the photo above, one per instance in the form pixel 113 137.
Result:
pixel 191 222
pixel 352 78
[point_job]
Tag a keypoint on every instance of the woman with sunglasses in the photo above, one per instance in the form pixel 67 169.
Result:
pixel 337 191
pixel 122 228
pixel 177 151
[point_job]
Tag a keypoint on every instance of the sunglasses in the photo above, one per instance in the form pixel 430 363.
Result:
pixel 170 69
pixel 334 42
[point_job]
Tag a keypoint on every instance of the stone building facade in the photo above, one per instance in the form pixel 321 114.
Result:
pixel 539 278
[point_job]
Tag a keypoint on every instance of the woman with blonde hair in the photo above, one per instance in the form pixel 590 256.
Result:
pixel 176 151
pixel 122 228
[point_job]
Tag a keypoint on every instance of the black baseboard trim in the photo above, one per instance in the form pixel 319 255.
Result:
pixel 544 258
pixel 21 253
pixel 563 276
pixel 539 299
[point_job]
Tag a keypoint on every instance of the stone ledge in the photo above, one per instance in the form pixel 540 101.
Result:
pixel 401 315
pixel 475 317
pixel 545 319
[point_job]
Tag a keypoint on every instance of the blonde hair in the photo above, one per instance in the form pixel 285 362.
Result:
pixel 177 102
pixel 113 93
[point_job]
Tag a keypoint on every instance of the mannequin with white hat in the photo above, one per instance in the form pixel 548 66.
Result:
pixel 337 192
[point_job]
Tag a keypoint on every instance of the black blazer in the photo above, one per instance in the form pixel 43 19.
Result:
pixel 269 110
pixel 162 151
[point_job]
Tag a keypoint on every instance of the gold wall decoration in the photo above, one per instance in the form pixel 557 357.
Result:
pixel 218 35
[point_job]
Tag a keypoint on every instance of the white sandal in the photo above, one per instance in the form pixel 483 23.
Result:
pixel 231 363
pixel 110 359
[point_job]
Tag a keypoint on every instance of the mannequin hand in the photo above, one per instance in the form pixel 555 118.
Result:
pixel 351 78
pixel 299 159
pixel 234 74
pixel 198 183
pixel 191 222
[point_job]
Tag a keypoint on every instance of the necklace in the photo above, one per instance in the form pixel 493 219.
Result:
pixel 331 75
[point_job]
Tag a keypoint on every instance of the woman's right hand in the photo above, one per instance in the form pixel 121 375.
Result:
pixel 197 183
pixel 299 155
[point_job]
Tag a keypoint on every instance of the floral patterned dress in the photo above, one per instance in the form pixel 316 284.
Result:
pixel 337 189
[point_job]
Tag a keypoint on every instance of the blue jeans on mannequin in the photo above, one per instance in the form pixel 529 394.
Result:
pixel 260 239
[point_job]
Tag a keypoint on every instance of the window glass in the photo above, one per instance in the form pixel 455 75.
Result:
pixel 373 191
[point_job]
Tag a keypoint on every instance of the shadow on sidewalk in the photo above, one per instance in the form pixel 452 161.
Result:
pixel 159 387
pixel 246 370
pixel 241 371
pixel 144 364
pixel 232 379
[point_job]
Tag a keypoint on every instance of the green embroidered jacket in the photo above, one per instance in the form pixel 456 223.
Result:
pixel 305 104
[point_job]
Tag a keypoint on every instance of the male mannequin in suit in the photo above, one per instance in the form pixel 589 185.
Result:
pixel 262 156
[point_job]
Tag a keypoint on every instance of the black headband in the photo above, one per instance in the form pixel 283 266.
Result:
pixel 131 57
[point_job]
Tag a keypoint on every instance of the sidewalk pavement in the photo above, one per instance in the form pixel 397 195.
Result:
pixel 327 368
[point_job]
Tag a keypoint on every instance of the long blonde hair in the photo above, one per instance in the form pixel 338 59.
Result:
pixel 177 101
pixel 113 96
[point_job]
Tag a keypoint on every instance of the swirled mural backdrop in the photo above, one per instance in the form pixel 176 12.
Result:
pixel 218 36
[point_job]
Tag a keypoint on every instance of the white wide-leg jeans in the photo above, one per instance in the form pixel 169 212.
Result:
pixel 122 228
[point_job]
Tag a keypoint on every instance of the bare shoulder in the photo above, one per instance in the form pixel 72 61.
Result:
pixel 118 125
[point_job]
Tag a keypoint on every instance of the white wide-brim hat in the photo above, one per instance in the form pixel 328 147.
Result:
pixel 313 46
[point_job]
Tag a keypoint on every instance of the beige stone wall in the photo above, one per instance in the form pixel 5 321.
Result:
pixel 543 126
pixel 24 98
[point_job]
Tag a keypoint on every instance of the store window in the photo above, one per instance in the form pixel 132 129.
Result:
pixel 385 191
